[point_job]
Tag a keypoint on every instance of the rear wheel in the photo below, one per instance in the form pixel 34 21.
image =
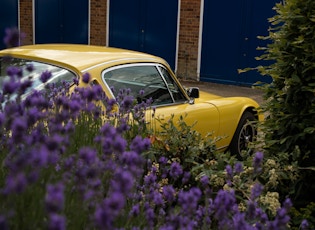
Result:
pixel 245 133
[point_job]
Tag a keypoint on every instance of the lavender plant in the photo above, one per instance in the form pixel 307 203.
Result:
pixel 66 163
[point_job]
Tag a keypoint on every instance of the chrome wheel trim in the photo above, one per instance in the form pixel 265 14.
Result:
pixel 246 136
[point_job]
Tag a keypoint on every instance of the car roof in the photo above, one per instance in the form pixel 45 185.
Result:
pixel 81 57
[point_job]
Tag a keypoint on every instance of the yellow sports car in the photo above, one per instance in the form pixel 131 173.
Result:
pixel 229 118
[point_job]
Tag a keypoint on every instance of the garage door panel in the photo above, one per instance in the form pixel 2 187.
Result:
pixel 47 21
pixel 58 21
pixel 230 42
pixel 161 29
pixel 75 29
pixel 125 24
pixel 220 44
pixel 145 25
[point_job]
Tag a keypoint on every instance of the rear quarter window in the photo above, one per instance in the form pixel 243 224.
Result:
pixel 58 74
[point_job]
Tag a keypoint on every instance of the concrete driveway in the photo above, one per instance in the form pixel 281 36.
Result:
pixel 226 90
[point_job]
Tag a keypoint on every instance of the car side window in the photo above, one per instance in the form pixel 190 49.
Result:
pixel 178 96
pixel 58 74
pixel 144 82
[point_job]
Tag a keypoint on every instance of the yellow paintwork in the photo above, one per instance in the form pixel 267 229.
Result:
pixel 213 114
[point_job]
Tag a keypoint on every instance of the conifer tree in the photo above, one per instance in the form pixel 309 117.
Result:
pixel 289 106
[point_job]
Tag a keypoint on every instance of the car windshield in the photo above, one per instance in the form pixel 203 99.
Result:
pixel 58 74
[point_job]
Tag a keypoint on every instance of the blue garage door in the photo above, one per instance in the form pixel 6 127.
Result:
pixel 230 40
pixel 8 17
pixel 59 21
pixel 145 25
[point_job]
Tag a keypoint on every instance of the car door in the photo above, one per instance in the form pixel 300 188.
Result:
pixel 154 81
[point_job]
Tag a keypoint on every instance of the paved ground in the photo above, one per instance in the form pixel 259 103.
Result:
pixel 226 90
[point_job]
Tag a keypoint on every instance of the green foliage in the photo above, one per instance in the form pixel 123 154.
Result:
pixel 290 99
pixel 179 142
pixel 306 213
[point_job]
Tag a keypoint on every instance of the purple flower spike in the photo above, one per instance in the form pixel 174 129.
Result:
pixel 149 212
pixel 239 222
pixel 19 127
pixel 157 198
pixel 150 179
pixel 106 212
pixel 86 78
pixel 10 87
pixel 2 119
pixel 257 162
pixel 256 191
pixel 223 204
pixel 176 170
pixel 40 157
pixel 14 71
pixel 189 200
pixel 229 171
pixel 282 217
pixel 13 37
pixel 75 81
pixel 103 218
pixel 88 155
pixel 140 144
pixel 141 92
pixel 127 103
pixel 304 225
pixel 169 193
pixel 122 182
pixel 135 210
pixel 238 167
pixel 44 77
pixel 54 198
pixel 119 144
pixel 56 222
pixel 204 180
pixel 30 67
pixel 133 162
pixel 115 202
pixel 186 177
pixel 287 204
pixel 163 161
pixel 16 183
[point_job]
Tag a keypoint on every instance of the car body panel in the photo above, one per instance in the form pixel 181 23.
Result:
pixel 207 114
pixel 210 114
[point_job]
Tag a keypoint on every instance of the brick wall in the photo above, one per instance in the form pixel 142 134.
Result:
pixel 98 22
pixel 26 21
pixel 188 31
pixel 188 39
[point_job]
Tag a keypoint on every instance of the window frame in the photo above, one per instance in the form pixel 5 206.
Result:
pixel 158 67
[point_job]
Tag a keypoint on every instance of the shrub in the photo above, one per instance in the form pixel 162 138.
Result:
pixel 67 163
pixel 289 127
pixel 289 100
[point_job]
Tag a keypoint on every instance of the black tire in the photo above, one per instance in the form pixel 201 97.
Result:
pixel 245 133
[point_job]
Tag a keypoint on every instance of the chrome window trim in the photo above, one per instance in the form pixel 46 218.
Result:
pixel 116 61
pixel 164 80
pixel 180 88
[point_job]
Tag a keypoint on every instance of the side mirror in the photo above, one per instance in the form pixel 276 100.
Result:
pixel 193 92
